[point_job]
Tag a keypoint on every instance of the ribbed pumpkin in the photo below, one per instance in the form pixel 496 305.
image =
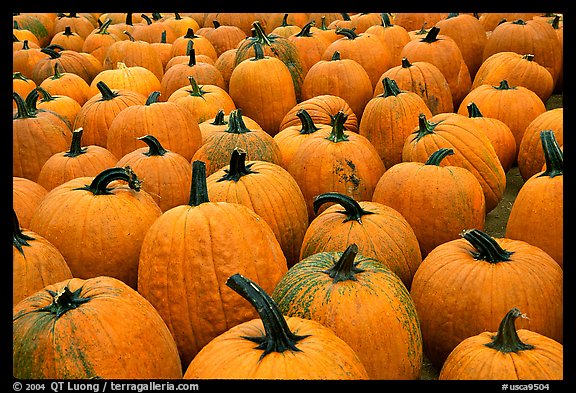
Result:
pixel 24 60
pixel 389 118
pixel 225 64
pixel 26 196
pixel 224 37
pixel 165 174
pixel 255 86
pixel 415 20
pixel 21 85
pixel 379 231
pixel 464 286
pixel 180 23
pixel 490 20
pixel 201 45
pixel 365 304
pixel 197 246
pixel 444 53
pixel 76 21
pixel 36 136
pixel 41 25
pixel 536 216
pixel 499 134
pixel 507 354
pixel 392 36
pixel 332 159
pixel 77 63
pixel 78 161
pixel 285 28
pixel 472 150
pixel 123 77
pixel 424 79
pixel 89 329
pixel 99 40
pixel 271 192
pixel 97 114
pixel 21 35
pixel 437 201
pixel 151 29
pixel 274 347
pixel 67 83
pixel 36 263
pixel 257 143
pixel 219 123
pixel 66 107
pixel 516 106
pixel 310 45
pixel 531 155
pixel 106 242
pixel 173 125
pixel 68 39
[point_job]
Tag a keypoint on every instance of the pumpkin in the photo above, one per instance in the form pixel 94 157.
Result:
pixel 271 192
pixel 42 26
pixel 531 155
pixel 507 354
pixel 424 79
pixel 77 23
pixel 389 118
pixel 190 293
pixel 490 20
pixel 106 242
pixel 36 136
pixel 310 45
pixel 26 195
pixel 173 125
pixel 21 85
pixel 18 45
pixel 123 77
pixel 201 45
pixel 361 21
pixel 472 150
pixel 274 347
pixel 224 37
pixel 68 39
pixel 340 77
pixel 464 286
pixel 363 302
pixel 96 115
pixel 65 106
pixel 219 123
pixel 186 59
pixel 164 49
pixel 77 161
pixel 71 61
pixel 392 36
pixel 243 20
pixel 252 83
pixel 151 30
pixel 24 59
pixel 166 175
pixel 323 28
pixel 225 64
pixel 536 216
pixel 343 22
pixel 36 263
pixel 21 35
pixel 284 29
pixel 67 84
pixel 274 20
pixel 180 23
pixel 332 159
pixel 516 106
pixel 442 51
pixel 98 41
pixel 415 20
pixel 499 134
pixel 379 231
pixel 90 329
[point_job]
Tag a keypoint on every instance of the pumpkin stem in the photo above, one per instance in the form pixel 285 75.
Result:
pixel 147 19
pixel 436 157
pixel 506 339
pixel 352 208
pixel 556 22
pixel 285 21
pixel 236 123
pixel 487 247
pixel 191 53
pixel 473 110
pixel 386 22
pixel 196 88
pixel 345 16
pixel 390 88
pixel 305 32
pixel 46 96
pixel 199 192
pixel 51 51
pixel 259 34
pixel 19 238
pixel 155 147
pixel 348 33
pixel 552 154
pixel 237 167
pixel 432 35
pixel 163 37
pixel 519 22
pixel 22 110
pixel 64 301
pixel 103 28
pixel 528 56
pixel 503 85
pixel 190 33
pixel 335 56
pixel 424 127
pixel 216 24
pixel 32 101
pixel 219 118
pixel 20 76
pixel 76 148
pixel 105 91
pixel 345 269
pixel 308 126
pixel 153 98
pixel 99 185
pixel 278 336
pixel 323 25
pixel 57 72
pixel 258 52
pixel 337 134
pixel 406 63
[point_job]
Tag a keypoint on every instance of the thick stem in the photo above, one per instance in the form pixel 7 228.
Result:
pixel 437 157
pixel 348 33
pixel 105 91
pixel 528 56
pixel 503 85
pixel 236 123
pixel 191 53
pixel 153 98
pixel 22 111
pixel 199 190
pixel 50 51
pixel 335 56
pixel 390 88
pixel 237 167
pixel 190 33
pixel 258 51
pixel 278 336
pixel 308 126
pixel 506 339
pixel 64 301
pixel 352 208
pixel 424 128
pixel 305 32
pixel 259 34
pixel 99 185
pixel 431 36
pixel 46 96
pixel 285 21
pixel 155 147
pixel 337 134
pixel 216 24
pixel 19 238
pixel 103 29
pixel 345 269
pixel 487 248
pixel 386 19
pixel 552 154
pixel 196 89
pixel 219 119
pixel 57 72
pixel 76 148
pixel 473 110
pixel 406 63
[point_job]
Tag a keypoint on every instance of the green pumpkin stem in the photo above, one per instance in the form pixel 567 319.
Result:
pixel 199 191
pixel 437 157
pixel 191 53
pixel 236 123
pixel 190 34
pixel 103 28
pixel 22 110
pixel 196 88
pixel 424 128
pixel 46 96
pixel 57 73
pixel 285 21
pixel 352 208
pixel 64 301
pixel 308 126
pixel 19 238
pixel 386 22
pixel 105 91
pixel 348 33
pixel 216 24
pixel 258 51
pixel 52 52
pixel 76 148
pixel 147 19
pixel 390 88
pixel 305 32
pixel 155 147
pixel 335 55
pixel 487 247
pixel 473 110
pixel 237 167
pixel 32 101
pixel 153 97
pixel 99 185
pixel 506 339
pixel 556 22
pixel 432 35
pixel 552 154
pixel 259 34
pixel 219 119
pixel 278 337
pixel 20 76
pixel 503 85
pixel 345 269
pixel 528 56
pixel 337 134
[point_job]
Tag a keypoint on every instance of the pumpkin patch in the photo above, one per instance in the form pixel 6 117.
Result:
pixel 288 195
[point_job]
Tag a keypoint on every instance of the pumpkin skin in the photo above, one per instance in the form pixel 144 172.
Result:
pixel 122 77
pixel 68 84
pixel 106 242
pixel 310 45
pixel 464 286
pixel 502 355
pixel 271 192
pixel 224 37
pixel 392 36
pixel 415 20
pixel 437 201
pixel 68 39
pixel 389 118
pixel 537 213
pixel 36 263
pixel 202 45
pixel 472 150
pixel 65 106
pixel 107 330
pixel 228 237
pixel 24 59
pixel 220 123
pixel 77 23
pixel 100 39
pixel 379 231
pixel 365 304
pixel 26 195
pixel 82 64
pixel 21 85
pixel 289 347
pixel 531 155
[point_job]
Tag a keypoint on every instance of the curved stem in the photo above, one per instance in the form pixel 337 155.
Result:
pixel 105 91
pixel 155 147
pixel 153 98
pixel 196 89
pixel 46 96
pixel 386 22
pixel 506 339
pixel 308 126
pixel 49 50
pixel 487 248
pixel 390 88
pixel 337 134
pixel 19 238
pixel 236 123
pixel 22 111
pixel 345 269
pixel 278 336
pixel 237 167
pixel 199 191
pixel 352 208
pixel 348 33
pixel 437 157
pixel 57 72
pixel 259 34
pixel 99 185
pixel 76 148
pixel 305 32
pixel 103 28
pixel 552 154
pixel 424 128
pixel 32 101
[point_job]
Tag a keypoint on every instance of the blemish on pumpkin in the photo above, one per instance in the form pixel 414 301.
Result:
pixel 347 176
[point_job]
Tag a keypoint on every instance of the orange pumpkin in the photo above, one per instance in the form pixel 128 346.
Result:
pixel 310 45
pixel 201 45
pixel 77 23
pixel 224 37
pixel 392 36
pixel 99 40
pixel 24 59
pixel 21 85
pixel 220 123
pixel 26 195
pixel 151 29
pixel 67 84
pixel 225 64
pixel 123 77
pixel 70 61
pixel 67 107
pixel 68 39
